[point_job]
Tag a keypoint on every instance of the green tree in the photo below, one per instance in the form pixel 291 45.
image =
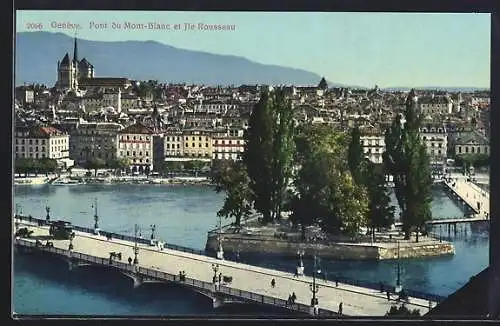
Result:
pixel 380 210
pixel 268 155
pixel 233 179
pixel 407 160
pixel 283 149
pixel 402 311
pixel 355 155
pixel 325 191
pixel 95 164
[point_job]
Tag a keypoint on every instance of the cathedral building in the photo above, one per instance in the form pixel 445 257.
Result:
pixel 70 72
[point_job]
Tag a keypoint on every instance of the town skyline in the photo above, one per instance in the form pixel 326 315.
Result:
pixel 457 55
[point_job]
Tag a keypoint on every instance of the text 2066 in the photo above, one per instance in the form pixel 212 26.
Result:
pixel 34 25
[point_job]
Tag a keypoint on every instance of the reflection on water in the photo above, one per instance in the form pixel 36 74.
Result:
pixel 183 215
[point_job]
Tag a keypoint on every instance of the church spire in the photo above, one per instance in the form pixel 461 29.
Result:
pixel 75 51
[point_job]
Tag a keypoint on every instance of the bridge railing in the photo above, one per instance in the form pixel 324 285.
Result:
pixel 119 236
pixel 246 295
pixel 391 288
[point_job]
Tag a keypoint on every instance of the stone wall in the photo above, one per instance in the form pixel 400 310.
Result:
pixel 259 244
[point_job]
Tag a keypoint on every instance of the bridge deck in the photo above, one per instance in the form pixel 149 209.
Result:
pixel 357 301
pixel 472 195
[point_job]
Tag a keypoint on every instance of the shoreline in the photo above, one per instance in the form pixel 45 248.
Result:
pixel 74 181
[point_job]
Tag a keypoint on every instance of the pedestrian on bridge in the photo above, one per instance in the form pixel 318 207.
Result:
pixel 273 283
pixel 388 296
pixel 220 277
pixel 293 297
pixel 130 260
pixel 340 309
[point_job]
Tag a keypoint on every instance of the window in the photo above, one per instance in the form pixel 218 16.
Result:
pixel 147 153
pixel 479 150
pixel 128 153
pixel 193 145
pixel 472 149
pixel 147 160
pixel 467 149
pixel 459 149
pixel 133 153
pixel 167 146
pixel 140 153
pixel 134 137
pixel 199 138
pixel 187 145
pixel 193 138
pixel 31 141
pixel 206 144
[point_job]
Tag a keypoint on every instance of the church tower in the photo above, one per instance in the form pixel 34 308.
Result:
pixel 74 64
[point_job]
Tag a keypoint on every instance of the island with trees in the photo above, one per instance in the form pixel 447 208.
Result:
pixel 309 187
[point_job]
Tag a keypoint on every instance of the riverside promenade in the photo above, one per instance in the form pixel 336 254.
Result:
pixel 250 284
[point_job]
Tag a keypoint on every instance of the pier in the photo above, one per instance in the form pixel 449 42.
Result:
pixel 223 281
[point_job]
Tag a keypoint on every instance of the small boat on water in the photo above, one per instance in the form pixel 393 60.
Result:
pixel 36 181
pixel 68 182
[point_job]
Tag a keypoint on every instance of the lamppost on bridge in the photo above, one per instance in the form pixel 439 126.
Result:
pixel 300 263
pixel 136 246
pixel 153 230
pixel 215 268
pixel 47 218
pixel 71 237
pixel 398 287
pixel 220 251
pixel 314 289
pixel 96 218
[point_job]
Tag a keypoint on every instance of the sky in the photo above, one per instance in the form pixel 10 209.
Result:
pixel 362 49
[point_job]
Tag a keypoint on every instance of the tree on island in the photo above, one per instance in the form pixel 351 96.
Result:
pixel 325 192
pixel 268 152
pixel 355 155
pixel 232 178
pixel 365 173
pixel 407 160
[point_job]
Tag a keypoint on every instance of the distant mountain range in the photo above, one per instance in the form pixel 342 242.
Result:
pixel 37 54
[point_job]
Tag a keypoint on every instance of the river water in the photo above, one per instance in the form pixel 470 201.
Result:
pixel 183 214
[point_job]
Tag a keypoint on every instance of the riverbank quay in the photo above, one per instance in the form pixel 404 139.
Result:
pixel 282 240
pixel 387 250
pixel 67 180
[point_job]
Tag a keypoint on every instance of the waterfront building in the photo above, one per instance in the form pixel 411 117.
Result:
pixel 135 143
pixel 173 143
pixel 435 138
pixel 95 140
pixel 228 144
pixel 472 142
pixel 197 143
pixel 39 142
